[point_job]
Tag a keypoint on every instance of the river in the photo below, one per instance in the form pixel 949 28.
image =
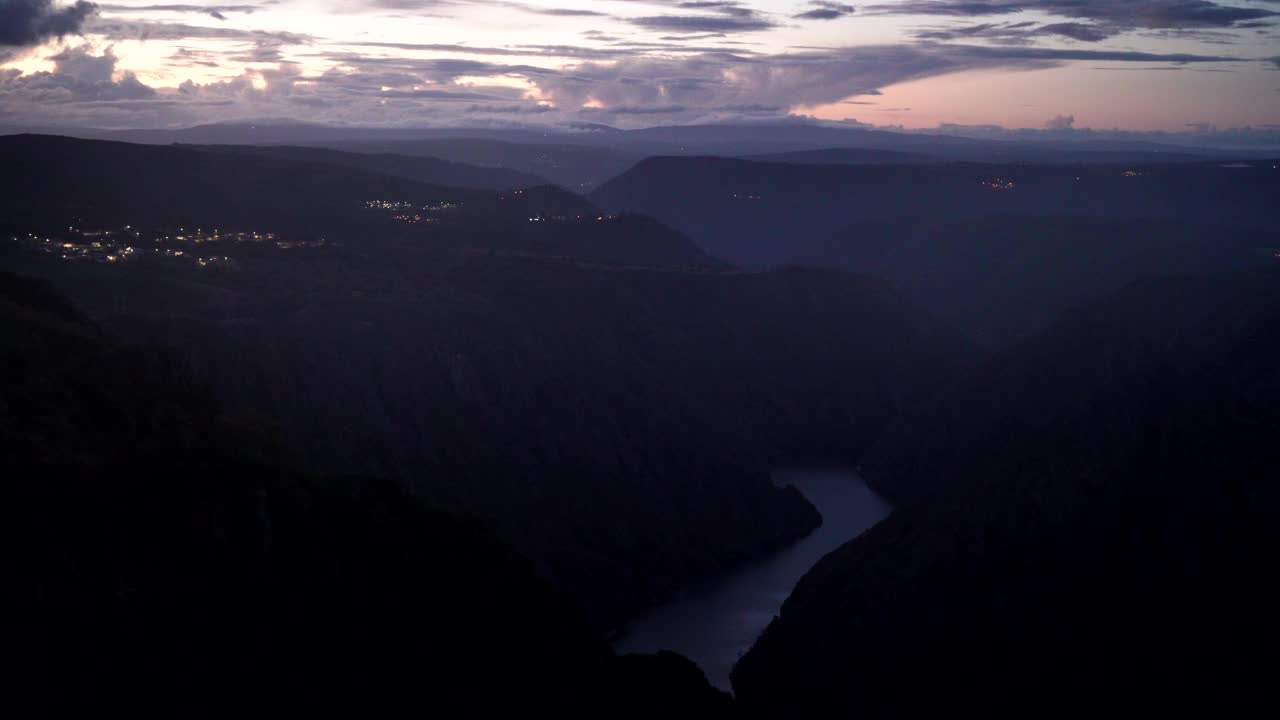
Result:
pixel 715 625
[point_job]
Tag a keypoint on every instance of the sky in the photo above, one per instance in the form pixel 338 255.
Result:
pixel 1140 65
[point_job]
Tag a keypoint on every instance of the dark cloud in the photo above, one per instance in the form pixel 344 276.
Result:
pixel 540 10
pixel 78 77
pixel 694 36
pixel 564 51
pixel 825 10
pixel 217 11
pixel 1109 17
pixel 114 29
pixel 1019 32
pixel 727 17
pixel 1060 122
pixel 1083 32
pixel 263 49
pixel 702 23
pixel 728 8
pixel 511 4
pixel 676 48
pixel 186 56
pixel 30 22
pixel 568 12
pixel 641 110
pixel 509 109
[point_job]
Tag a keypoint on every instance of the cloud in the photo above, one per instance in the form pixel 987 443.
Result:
pixel 114 29
pixel 1106 17
pixel 1060 122
pixel 78 77
pixel 701 23
pixel 508 109
pixel 689 73
pixel 1015 33
pixel 728 8
pixel 30 22
pixel 728 17
pixel 825 10
pixel 1083 32
pixel 695 36
pixel 540 10
pixel 799 79
pixel 216 11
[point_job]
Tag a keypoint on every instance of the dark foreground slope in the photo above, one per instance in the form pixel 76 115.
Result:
pixel 1097 509
pixel 156 550
pixel 618 424
pixel 605 392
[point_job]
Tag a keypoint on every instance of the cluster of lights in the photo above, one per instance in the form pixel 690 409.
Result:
pixel 441 207
pixel 566 218
pixel 999 184
pixel 746 196
pixel 199 236
pixel 215 260
pixel 388 205
pixel 291 244
pixel 95 251
pixel 402 207
pixel 415 219
pixel 118 246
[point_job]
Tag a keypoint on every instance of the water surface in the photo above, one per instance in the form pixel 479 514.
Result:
pixel 715 625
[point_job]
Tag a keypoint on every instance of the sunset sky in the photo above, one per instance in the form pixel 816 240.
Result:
pixel 1172 65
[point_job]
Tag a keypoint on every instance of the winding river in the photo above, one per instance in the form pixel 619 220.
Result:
pixel 715 625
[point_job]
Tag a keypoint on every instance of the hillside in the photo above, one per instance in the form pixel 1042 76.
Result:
pixel 844 156
pixel 63 188
pixel 1091 517
pixel 159 551
pixel 618 424
pixel 1002 278
pixel 580 168
pixel 419 168
pixel 759 214
pixel 116 184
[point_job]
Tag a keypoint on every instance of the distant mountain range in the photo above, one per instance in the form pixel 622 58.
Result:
pixel 431 169
pixel 756 213
pixel 581 157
